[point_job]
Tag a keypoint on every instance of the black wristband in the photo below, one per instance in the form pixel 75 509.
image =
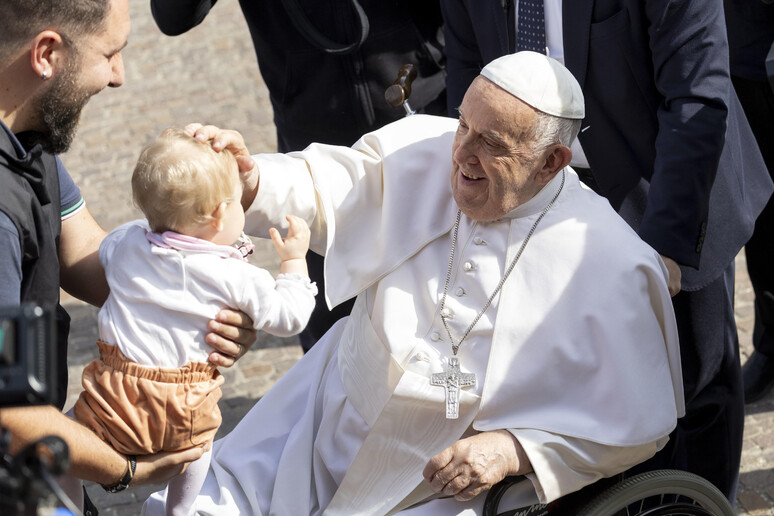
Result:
pixel 126 479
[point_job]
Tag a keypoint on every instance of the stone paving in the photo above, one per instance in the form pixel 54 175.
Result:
pixel 210 75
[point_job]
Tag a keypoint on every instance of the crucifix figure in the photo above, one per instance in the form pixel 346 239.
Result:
pixel 452 380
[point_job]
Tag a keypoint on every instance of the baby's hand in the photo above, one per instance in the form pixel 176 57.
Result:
pixel 296 244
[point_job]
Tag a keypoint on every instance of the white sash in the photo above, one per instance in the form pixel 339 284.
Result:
pixel 407 419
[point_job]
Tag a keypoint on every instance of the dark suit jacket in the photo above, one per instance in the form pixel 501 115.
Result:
pixel 664 134
pixel 332 98
pixel 750 37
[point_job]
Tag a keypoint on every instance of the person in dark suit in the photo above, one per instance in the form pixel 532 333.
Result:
pixel 326 66
pixel 666 142
pixel 750 38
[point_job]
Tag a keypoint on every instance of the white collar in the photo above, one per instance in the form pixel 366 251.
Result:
pixel 539 201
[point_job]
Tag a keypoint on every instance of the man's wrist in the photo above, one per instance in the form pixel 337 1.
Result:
pixel 123 483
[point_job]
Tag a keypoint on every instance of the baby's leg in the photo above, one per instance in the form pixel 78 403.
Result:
pixel 184 488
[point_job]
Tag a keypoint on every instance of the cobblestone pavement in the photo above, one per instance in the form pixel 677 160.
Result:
pixel 210 75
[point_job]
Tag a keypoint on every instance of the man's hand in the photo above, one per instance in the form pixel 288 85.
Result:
pixel 231 334
pixel 158 468
pixel 233 141
pixel 675 275
pixel 475 464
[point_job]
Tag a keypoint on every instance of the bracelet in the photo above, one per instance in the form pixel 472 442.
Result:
pixel 128 476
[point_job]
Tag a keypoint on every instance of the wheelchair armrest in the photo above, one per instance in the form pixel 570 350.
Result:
pixel 564 506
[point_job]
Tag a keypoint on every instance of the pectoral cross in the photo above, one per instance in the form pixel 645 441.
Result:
pixel 452 380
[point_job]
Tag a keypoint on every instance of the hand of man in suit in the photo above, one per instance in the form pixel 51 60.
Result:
pixel 674 275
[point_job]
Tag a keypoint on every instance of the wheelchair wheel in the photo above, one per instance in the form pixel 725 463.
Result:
pixel 660 493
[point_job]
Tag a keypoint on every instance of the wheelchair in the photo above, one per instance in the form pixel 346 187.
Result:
pixel 654 493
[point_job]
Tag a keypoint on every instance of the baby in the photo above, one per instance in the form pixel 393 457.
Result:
pixel 153 389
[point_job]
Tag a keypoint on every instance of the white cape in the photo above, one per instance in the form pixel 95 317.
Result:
pixel 579 359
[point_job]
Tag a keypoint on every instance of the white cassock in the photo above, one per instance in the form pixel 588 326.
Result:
pixel 577 356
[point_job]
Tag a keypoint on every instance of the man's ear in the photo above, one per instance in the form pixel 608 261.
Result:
pixel 217 216
pixel 47 54
pixel 555 159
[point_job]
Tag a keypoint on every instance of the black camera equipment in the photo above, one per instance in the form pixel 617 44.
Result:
pixel 27 481
pixel 28 376
pixel 28 347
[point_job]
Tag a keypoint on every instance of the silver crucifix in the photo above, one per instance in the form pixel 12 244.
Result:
pixel 452 380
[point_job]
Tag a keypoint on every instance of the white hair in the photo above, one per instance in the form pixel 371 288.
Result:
pixel 550 130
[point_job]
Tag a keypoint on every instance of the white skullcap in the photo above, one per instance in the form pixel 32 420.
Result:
pixel 539 81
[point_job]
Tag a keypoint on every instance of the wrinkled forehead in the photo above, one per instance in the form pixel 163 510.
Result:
pixel 491 108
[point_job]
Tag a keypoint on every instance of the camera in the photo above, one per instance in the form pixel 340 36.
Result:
pixel 28 372
pixel 28 376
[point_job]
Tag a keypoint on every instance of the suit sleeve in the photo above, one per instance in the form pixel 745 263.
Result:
pixel 690 66
pixel 174 17
pixel 463 56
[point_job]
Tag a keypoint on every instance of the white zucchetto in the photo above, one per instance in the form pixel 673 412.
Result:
pixel 540 81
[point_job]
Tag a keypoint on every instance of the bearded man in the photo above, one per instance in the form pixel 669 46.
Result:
pixel 506 322
pixel 54 56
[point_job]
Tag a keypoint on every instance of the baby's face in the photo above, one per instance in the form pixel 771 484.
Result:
pixel 234 216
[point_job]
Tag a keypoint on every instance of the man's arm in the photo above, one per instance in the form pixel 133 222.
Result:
pixel 562 464
pixel 81 273
pixel 174 17
pixel 90 458
pixel 690 66
pixel 463 55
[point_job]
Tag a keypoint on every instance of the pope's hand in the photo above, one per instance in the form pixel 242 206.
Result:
pixel 231 334
pixel 234 143
pixel 475 464
pixel 223 139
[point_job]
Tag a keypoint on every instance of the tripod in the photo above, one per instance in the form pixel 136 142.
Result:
pixel 27 483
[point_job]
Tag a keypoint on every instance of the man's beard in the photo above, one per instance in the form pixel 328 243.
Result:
pixel 59 111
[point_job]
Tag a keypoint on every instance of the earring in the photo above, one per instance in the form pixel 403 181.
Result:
pixel 45 75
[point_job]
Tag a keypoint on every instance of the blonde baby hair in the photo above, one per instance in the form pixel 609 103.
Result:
pixel 179 180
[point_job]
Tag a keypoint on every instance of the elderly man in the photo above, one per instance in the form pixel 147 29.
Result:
pixel 666 142
pixel 507 321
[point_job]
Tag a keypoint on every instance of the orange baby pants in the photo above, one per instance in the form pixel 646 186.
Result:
pixel 140 410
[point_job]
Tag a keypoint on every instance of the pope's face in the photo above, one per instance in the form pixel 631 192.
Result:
pixel 95 64
pixel 493 169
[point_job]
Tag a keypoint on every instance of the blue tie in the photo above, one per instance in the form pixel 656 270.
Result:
pixel 531 29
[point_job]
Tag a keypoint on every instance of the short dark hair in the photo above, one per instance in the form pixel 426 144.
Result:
pixel 21 20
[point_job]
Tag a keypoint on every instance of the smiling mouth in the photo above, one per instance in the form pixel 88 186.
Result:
pixel 468 176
